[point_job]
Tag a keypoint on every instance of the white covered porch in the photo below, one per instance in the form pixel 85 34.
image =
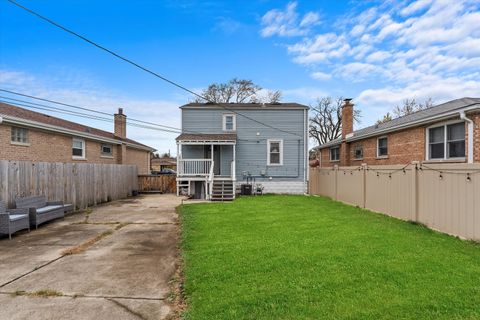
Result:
pixel 203 159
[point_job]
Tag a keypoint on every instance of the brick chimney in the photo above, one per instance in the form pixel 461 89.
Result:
pixel 347 117
pixel 120 123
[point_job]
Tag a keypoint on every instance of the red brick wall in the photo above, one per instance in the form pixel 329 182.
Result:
pixel 403 147
pixel 51 147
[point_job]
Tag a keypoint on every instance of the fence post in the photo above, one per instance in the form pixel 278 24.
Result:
pixel 335 179
pixel 364 185
pixel 414 190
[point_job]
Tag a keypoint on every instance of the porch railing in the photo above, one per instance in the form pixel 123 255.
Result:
pixel 194 167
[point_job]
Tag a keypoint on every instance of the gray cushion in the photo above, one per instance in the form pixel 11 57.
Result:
pixel 49 208
pixel 15 217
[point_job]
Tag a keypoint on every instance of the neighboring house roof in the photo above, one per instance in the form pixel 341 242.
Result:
pixel 30 118
pixel 207 137
pixel 435 113
pixel 208 105
pixel 163 161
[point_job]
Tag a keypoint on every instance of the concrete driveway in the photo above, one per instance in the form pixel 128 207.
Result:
pixel 116 261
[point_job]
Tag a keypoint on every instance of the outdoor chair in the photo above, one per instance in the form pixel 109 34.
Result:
pixel 40 210
pixel 13 220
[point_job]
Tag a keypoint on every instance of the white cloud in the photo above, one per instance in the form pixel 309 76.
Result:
pixel 415 6
pixel 378 56
pixel 318 75
pixel 288 23
pixel 398 50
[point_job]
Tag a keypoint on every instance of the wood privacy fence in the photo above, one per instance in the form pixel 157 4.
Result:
pixel 444 197
pixel 81 184
pixel 157 183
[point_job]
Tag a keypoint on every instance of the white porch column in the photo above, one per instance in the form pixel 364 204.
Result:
pixel 234 163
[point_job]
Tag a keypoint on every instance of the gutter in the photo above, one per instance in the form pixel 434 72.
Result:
pixel 440 117
pixel 470 135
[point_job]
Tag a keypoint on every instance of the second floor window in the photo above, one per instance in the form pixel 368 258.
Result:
pixel 229 122
pixel 19 135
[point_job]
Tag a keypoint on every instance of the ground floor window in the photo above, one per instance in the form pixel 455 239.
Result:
pixel 107 150
pixel 335 154
pixel 78 148
pixel 358 152
pixel 19 135
pixel 446 141
pixel 275 152
pixel 382 147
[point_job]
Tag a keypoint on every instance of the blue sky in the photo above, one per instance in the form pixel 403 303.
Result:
pixel 376 52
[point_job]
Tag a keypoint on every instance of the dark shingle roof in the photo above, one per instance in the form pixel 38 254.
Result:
pixel 207 137
pixel 423 115
pixel 287 105
pixel 17 112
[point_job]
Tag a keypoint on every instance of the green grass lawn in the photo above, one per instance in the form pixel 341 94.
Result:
pixel 299 257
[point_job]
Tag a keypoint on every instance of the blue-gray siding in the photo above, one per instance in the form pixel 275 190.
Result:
pixel 251 148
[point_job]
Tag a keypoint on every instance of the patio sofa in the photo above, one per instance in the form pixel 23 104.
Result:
pixel 41 210
pixel 13 220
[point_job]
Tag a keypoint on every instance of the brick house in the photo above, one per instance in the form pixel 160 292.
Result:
pixel 449 132
pixel 32 136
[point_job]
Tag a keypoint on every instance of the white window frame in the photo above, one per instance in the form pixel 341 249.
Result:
pixel 83 156
pixel 280 142
pixel 330 154
pixel 445 147
pixel 378 148
pixel 106 155
pixel 224 121
pixel 20 143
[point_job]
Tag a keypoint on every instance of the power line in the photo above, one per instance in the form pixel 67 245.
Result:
pixel 82 108
pixel 144 68
pixel 77 114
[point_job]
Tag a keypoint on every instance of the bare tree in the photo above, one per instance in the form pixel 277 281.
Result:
pixel 274 96
pixel 409 106
pixel 238 91
pixel 326 122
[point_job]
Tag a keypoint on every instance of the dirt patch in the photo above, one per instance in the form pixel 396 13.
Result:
pixel 87 244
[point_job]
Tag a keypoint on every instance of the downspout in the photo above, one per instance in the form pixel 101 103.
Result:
pixel 470 135
pixel 305 147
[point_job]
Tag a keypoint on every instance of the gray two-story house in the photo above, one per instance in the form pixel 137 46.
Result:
pixel 225 146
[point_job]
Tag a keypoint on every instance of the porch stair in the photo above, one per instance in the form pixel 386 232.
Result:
pixel 223 190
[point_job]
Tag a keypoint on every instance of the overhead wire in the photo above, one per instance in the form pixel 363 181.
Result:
pixel 137 65
pixel 83 108
pixel 79 114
